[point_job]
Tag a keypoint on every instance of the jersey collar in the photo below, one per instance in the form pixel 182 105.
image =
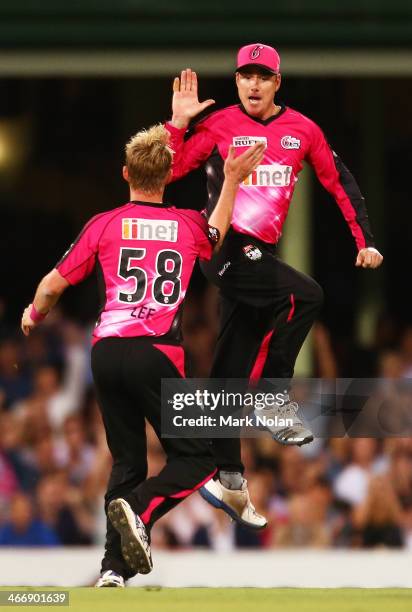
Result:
pixel 154 204
pixel 264 121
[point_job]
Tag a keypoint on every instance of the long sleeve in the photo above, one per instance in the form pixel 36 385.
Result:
pixel 340 183
pixel 190 154
pixel 79 261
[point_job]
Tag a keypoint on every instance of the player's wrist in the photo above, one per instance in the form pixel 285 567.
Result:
pixel 36 316
pixel 179 122
pixel 232 181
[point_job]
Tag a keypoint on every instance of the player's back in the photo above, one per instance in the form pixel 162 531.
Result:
pixel 144 254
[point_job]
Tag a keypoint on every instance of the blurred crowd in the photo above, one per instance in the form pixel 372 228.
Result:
pixel 54 461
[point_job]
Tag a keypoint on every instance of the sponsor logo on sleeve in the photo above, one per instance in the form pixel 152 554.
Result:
pixel 273 175
pixel 290 142
pixel 248 141
pixel 150 229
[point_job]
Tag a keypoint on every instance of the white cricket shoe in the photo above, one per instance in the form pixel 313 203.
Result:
pixel 134 539
pixel 235 502
pixel 284 424
pixel 110 579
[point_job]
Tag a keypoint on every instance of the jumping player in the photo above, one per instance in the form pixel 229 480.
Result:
pixel 144 253
pixel 267 307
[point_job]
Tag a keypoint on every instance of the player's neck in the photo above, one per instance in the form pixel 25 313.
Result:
pixel 143 196
pixel 270 112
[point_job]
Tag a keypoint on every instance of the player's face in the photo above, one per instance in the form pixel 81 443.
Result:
pixel 257 91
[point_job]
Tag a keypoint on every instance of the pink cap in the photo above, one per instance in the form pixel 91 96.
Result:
pixel 259 55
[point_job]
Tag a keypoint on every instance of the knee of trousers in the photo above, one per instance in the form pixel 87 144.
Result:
pixel 312 294
pixel 206 464
pixel 124 477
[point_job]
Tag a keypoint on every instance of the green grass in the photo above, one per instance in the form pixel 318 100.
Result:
pixel 236 600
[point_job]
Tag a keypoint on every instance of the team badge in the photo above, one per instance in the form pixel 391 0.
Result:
pixel 214 234
pixel 289 142
pixel 252 252
pixel 255 53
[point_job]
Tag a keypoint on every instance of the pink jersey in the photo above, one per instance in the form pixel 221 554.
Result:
pixel 262 202
pixel 144 254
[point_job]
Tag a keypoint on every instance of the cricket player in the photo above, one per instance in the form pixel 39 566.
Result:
pixel 143 253
pixel 267 307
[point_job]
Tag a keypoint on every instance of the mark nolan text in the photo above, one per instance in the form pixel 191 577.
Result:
pixel 231 421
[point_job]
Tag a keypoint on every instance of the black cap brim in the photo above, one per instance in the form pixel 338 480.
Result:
pixel 250 67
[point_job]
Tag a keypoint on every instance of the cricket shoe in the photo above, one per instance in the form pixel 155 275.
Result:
pixel 235 502
pixel 284 424
pixel 110 579
pixel 133 536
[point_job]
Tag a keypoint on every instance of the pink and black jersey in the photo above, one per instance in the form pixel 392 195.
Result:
pixel 262 202
pixel 144 254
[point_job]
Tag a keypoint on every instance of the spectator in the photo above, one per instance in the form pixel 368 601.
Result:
pixel 77 454
pixel 62 509
pixel 352 483
pixel 378 517
pixel 22 529
pixel 15 383
pixel 304 528
pixel 8 482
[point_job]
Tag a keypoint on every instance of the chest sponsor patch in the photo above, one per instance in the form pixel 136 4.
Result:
pixel 248 141
pixel 252 252
pixel 273 175
pixel 150 229
pixel 290 142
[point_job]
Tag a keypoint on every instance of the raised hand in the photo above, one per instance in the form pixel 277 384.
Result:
pixel 238 168
pixel 185 102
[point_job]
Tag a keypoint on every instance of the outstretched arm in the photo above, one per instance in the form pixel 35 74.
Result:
pixel 236 170
pixel 340 183
pixel 76 265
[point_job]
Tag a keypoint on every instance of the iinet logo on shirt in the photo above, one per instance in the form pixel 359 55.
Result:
pixel 150 229
pixel 274 175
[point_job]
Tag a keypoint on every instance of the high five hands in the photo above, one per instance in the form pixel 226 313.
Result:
pixel 185 102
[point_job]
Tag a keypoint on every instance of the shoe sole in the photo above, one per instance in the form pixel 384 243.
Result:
pixel 133 549
pixel 217 503
pixel 110 586
pixel 306 440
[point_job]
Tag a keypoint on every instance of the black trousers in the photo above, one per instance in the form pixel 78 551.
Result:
pixel 266 311
pixel 127 373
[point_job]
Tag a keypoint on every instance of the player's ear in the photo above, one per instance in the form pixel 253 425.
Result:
pixel 125 173
pixel 169 176
pixel 278 81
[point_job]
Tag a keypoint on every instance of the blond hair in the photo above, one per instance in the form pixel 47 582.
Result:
pixel 149 159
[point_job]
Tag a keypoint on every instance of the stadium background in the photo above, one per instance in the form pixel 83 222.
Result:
pixel 76 80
